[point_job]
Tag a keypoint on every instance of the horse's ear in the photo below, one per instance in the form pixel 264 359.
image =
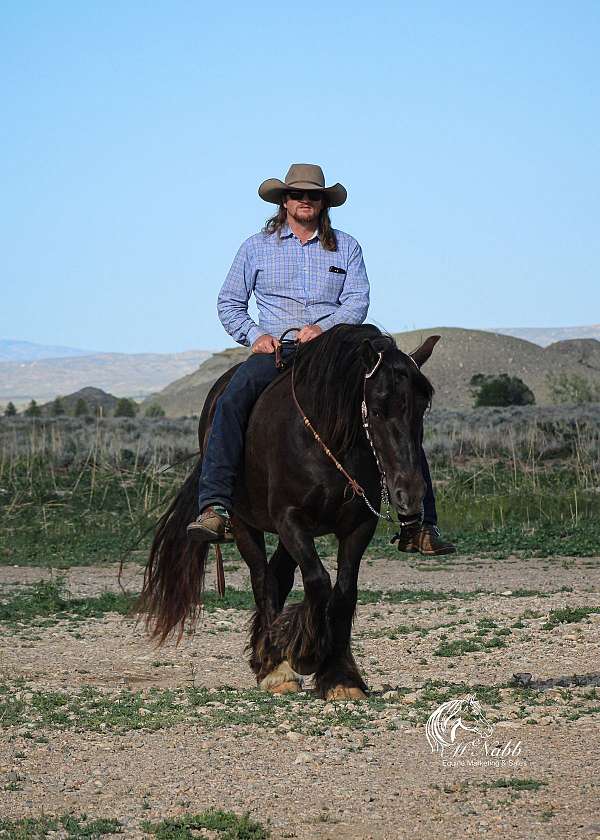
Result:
pixel 368 353
pixel 422 353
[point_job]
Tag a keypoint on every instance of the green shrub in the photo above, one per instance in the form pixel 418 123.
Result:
pixel 57 408
pixel 33 409
pixel 154 410
pixel 125 408
pixel 572 388
pixel 500 390
pixel 10 410
pixel 81 408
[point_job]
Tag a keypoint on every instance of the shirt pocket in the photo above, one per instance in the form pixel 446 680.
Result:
pixel 329 285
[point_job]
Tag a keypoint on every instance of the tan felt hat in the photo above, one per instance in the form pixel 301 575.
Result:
pixel 307 176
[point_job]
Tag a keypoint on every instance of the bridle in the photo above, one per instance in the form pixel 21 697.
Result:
pixel 385 495
pixel 356 488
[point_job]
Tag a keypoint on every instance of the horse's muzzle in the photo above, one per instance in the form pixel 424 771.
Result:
pixel 408 501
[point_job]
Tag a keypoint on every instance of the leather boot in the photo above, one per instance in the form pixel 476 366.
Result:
pixel 423 539
pixel 210 526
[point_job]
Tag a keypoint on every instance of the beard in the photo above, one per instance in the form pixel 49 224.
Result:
pixel 305 214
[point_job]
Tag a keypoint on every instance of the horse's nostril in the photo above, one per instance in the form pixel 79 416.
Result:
pixel 408 497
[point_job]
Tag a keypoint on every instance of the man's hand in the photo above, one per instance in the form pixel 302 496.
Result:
pixel 309 332
pixel 265 344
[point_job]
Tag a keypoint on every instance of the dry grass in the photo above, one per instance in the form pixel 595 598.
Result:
pixel 83 491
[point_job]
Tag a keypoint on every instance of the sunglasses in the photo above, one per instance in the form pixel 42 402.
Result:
pixel 313 195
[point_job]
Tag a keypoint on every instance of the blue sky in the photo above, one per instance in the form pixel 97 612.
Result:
pixel 134 136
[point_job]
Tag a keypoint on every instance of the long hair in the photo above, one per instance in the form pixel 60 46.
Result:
pixel 326 234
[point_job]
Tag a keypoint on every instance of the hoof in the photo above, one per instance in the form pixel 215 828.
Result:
pixel 281 680
pixel 345 692
pixel 288 687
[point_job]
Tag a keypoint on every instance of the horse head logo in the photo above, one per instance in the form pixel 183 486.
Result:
pixel 445 724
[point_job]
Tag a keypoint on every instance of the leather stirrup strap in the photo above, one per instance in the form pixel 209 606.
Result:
pixel 220 571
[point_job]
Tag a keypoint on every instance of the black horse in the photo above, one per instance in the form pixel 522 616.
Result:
pixel 290 486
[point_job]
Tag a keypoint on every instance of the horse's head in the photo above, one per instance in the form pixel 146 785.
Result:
pixel 397 395
pixel 483 726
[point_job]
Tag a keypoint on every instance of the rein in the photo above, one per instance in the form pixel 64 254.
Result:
pixel 356 488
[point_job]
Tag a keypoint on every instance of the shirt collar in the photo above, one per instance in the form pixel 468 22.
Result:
pixel 285 232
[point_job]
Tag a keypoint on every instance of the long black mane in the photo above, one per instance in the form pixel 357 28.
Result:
pixel 333 366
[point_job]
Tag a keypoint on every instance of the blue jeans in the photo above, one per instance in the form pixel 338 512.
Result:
pixel 225 444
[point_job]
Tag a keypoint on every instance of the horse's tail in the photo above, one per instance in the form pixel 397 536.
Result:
pixel 174 574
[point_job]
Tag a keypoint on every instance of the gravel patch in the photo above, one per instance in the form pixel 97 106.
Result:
pixel 302 767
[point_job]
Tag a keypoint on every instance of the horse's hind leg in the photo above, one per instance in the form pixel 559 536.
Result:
pixel 338 677
pixel 301 631
pixel 271 672
pixel 282 679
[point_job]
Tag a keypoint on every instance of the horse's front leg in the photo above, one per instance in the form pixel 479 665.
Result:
pixel 338 677
pixel 283 567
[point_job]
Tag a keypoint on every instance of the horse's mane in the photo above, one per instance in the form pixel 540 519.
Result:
pixel 332 365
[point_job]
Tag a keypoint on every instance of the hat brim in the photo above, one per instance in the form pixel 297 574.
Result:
pixel 272 190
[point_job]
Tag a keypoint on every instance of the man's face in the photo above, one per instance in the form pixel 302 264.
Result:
pixel 304 205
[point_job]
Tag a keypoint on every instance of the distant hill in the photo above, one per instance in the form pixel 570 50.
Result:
pixel 462 353
pixel 26 351
pixel 584 351
pixel 182 380
pixel 186 396
pixel 549 335
pixel 94 398
pixel 123 374
pixel 458 356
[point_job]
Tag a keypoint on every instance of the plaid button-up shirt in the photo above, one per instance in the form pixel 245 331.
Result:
pixel 294 285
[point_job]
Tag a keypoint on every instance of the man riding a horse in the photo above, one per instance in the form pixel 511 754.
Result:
pixel 303 273
pixel 300 440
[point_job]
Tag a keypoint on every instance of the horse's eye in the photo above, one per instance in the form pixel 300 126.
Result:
pixel 375 412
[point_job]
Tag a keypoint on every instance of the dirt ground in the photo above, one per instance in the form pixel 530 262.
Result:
pixel 367 774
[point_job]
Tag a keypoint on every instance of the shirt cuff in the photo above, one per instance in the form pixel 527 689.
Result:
pixel 326 323
pixel 254 333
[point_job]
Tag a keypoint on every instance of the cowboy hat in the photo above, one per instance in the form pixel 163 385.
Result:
pixel 302 176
